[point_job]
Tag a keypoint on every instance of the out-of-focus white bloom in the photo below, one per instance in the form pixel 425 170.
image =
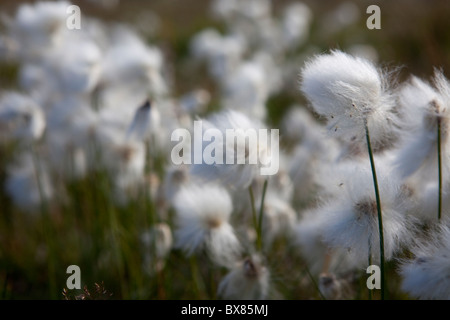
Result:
pixel 299 126
pixel 20 117
pixel 37 27
pixel 281 183
pixel 71 125
pixel 32 79
pixel 247 280
pixel 222 53
pixel 74 66
pixel 311 154
pixel 302 171
pixel 223 8
pixel 131 163
pixel 427 276
pixel 176 177
pixel 352 220
pixel 423 107
pixel 131 71
pixel 170 119
pixel 28 183
pixel 414 96
pixel 296 20
pixel 235 175
pixel 278 218
pixel 153 187
pixel 332 177
pixel 195 102
pixel 345 14
pixel 70 68
pixel 349 91
pixel 333 288
pixel 319 257
pixel 255 9
pixel 265 35
pixel 246 90
pixel 229 10
pixel 271 67
pixel 329 286
pixel 364 51
pixel 67 158
pixel 157 244
pixel 252 20
pixel 279 187
pixel 123 159
pixel 204 42
pixel 427 194
pixel 202 222
pixel 226 56
pixel 146 121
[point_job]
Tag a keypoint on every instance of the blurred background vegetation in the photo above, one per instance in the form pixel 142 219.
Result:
pixel 414 36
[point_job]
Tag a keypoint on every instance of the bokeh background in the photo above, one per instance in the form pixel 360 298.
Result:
pixel 414 39
pixel 413 36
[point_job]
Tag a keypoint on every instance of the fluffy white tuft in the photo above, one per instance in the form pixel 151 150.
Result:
pixel 248 279
pixel 202 220
pixel 348 91
pixel 427 276
pixel 352 219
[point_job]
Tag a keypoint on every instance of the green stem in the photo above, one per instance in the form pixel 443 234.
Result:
pixel 314 283
pixel 47 226
pixel 380 218
pixel 439 168
pixel 254 217
pixel 199 286
pixel 148 183
pixel 261 211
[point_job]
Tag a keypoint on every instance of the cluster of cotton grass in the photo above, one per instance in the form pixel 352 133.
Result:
pixel 368 185
pixel 78 93
pixel 384 194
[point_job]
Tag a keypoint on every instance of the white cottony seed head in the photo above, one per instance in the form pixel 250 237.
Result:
pixel 349 91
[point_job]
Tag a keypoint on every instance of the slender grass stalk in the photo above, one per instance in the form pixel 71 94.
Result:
pixel 315 283
pixel 148 201
pixel 47 227
pixel 439 168
pixel 261 211
pixel 116 233
pixel 380 218
pixel 199 285
pixel 255 219
pixel 258 219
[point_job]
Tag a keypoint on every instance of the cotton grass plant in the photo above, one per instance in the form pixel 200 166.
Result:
pixel 87 174
pixel 351 93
